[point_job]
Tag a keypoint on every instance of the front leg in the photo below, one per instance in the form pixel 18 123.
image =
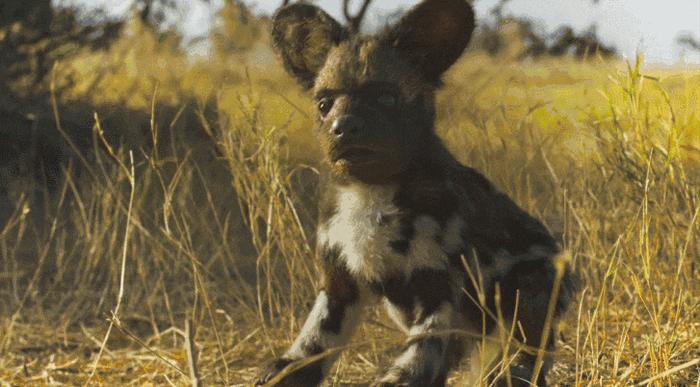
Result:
pixel 425 304
pixel 336 313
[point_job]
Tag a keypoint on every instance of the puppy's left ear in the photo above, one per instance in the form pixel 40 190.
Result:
pixel 302 35
pixel 433 35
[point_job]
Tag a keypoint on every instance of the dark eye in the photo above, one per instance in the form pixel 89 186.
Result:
pixel 325 105
pixel 387 100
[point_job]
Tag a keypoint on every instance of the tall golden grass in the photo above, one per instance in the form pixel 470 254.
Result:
pixel 201 208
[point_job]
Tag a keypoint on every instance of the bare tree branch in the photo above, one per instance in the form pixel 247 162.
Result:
pixel 687 40
pixel 355 21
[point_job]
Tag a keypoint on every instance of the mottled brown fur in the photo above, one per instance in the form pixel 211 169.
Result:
pixel 400 219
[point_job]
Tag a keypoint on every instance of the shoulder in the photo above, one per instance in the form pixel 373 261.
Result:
pixel 495 220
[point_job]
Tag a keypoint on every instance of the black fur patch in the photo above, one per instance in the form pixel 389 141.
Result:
pixel 473 311
pixel 400 246
pixel 496 222
pixel 428 288
pixel 341 288
pixel 407 230
pixel 532 283
pixel 427 194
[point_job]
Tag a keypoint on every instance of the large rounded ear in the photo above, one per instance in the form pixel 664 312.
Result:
pixel 433 35
pixel 302 35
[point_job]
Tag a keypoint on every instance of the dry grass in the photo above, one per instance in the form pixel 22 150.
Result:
pixel 212 221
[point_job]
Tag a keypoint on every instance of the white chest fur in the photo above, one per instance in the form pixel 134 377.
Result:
pixel 366 221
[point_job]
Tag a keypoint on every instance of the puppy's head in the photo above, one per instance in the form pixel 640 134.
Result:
pixel 374 95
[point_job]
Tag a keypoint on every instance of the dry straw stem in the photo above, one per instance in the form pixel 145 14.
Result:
pixel 191 353
pixel 560 265
pixel 115 312
pixel 118 324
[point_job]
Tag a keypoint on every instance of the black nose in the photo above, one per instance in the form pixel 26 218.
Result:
pixel 345 126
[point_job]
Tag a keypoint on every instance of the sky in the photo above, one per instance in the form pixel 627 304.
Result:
pixel 651 26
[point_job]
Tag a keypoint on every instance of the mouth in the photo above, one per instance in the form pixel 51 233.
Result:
pixel 356 154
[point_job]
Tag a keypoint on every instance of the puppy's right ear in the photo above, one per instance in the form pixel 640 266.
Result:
pixel 302 35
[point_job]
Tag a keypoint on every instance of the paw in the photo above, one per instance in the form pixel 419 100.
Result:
pixel 393 377
pixel 309 376
pixel 397 376
pixel 520 376
pixel 269 371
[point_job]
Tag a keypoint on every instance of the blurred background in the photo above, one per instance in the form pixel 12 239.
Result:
pixel 157 166
pixel 667 34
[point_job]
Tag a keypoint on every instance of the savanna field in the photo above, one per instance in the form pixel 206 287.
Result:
pixel 175 238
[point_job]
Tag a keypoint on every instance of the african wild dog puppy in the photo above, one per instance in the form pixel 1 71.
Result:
pixel 401 220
